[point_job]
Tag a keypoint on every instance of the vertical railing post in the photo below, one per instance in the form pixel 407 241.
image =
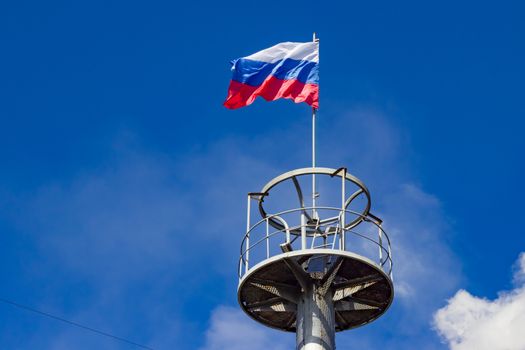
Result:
pixel 287 229
pixel 267 239
pixel 390 260
pixel 240 268
pixel 247 255
pixel 380 245
pixel 303 231
pixel 343 210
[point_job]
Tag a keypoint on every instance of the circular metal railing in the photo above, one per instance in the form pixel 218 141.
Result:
pixel 344 230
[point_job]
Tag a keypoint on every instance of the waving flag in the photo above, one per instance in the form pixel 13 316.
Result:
pixel 286 70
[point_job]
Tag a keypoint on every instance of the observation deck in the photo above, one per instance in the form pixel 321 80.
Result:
pixel 331 259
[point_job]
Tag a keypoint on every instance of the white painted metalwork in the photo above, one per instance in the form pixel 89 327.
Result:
pixel 248 229
pixel 331 224
pixel 365 235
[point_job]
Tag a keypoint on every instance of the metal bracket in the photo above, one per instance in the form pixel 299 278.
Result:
pixel 258 194
pixel 338 170
pixel 377 219
pixel 302 277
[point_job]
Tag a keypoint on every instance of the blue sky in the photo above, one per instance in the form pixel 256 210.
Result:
pixel 123 178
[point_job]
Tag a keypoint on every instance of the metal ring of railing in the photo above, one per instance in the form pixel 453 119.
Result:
pixel 387 252
pixel 252 246
pixel 382 262
pixel 367 219
pixel 319 171
pixel 298 226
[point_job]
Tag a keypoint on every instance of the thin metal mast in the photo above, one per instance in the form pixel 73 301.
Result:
pixel 314 112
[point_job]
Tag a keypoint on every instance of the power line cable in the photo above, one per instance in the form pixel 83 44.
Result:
pixel 27 308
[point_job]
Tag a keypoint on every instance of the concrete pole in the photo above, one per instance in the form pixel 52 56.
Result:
pixel 315 320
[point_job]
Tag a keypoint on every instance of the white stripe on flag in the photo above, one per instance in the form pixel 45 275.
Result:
pixel 298 51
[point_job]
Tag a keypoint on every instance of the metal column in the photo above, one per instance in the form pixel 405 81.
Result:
pixel 315 320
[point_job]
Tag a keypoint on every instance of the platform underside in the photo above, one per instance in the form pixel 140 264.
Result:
pixel 360 290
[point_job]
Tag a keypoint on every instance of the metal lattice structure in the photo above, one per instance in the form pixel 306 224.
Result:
pixel 317 269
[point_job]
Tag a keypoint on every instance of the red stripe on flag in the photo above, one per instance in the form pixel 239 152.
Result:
pixel 240 95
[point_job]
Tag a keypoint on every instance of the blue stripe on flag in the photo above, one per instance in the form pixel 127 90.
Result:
pixel 254 73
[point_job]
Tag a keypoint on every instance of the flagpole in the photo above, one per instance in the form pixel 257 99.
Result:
pixel 314 112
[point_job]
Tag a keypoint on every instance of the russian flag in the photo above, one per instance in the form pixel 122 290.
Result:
pixel 286 70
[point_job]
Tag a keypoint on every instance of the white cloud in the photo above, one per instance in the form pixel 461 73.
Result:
pixel 519 270
pixel 472 323
pixel 231 329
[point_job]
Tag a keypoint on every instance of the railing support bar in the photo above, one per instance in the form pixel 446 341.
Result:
pixel 343 209
pixel 380 245
pixel 267 239
pixel 303 231
pixel 248 210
